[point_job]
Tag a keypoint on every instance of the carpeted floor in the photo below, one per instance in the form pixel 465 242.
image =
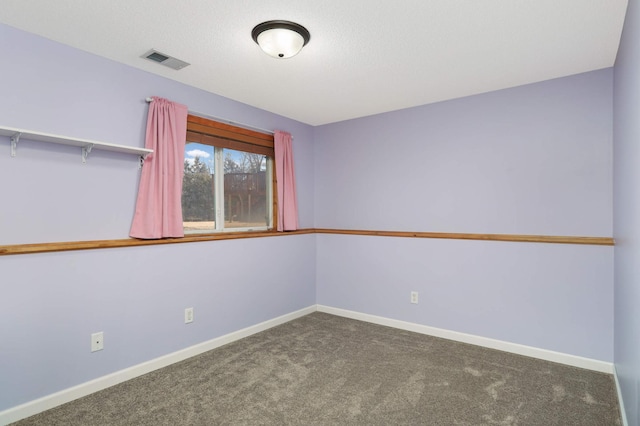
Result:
pixel 327 370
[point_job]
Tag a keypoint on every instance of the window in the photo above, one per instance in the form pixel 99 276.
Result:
pixel 228 178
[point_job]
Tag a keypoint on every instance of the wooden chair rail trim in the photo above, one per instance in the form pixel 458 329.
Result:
pixel 14 249
pixel 133 242
pixel 600 241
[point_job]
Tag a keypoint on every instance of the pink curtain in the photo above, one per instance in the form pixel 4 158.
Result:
pixel 285 175
pixel 158 208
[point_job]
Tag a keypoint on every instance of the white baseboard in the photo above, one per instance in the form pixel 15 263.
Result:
pixel 623 414
pixel 562 358
pixel 67 395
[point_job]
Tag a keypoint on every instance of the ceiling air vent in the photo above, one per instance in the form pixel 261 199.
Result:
pixel 166 60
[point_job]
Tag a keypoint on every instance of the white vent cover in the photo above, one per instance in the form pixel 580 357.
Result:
pixel 166 60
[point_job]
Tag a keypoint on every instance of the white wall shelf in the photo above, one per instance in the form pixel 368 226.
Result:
pixel 86 144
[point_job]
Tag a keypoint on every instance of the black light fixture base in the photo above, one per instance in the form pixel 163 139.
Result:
pixel 288 25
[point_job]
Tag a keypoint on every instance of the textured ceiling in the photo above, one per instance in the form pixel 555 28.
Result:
pixel 364 57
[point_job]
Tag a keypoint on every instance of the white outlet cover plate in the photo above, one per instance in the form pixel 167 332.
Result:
pixel 188 315
pixel 97 341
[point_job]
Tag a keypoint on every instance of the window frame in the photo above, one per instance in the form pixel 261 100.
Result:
pixel 219 135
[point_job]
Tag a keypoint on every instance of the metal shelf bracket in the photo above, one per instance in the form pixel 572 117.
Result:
pixel 85 152
pixel 142 158
pixel 14 143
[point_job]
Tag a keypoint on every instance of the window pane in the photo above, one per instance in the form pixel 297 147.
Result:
pixel 245 189
pixel 198 202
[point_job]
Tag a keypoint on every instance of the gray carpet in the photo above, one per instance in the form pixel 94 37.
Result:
pixel 327 370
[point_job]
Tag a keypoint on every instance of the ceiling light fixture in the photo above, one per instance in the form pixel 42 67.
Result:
pixel 280 39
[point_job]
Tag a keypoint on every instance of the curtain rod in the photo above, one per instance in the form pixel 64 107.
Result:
pixel 246 126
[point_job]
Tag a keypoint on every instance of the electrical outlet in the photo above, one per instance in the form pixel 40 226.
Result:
pixel 97 341
pixel 414 297
pixel 188 315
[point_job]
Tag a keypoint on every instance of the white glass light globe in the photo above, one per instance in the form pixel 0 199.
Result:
pixel 280 43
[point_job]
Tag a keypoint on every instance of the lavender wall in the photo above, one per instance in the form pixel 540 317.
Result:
pixel 51 303
pixel 627 213
pixel 530 160
pixel 56 89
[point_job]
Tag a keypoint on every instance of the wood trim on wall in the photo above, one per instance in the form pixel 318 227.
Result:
pixel 134 242
pixel 7 250
pixel 599 241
